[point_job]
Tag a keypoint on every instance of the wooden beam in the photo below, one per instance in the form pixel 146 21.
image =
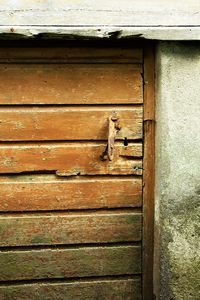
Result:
pixel 150 32
pixel 88 12
pixel 70 262
pixel 148 174
pixel 80 290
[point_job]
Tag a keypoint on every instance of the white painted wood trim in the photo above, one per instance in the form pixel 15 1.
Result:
pixel 155 19
pixel 100 12
pixel 117 32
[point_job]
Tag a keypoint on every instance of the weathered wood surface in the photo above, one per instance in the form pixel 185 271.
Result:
pixel 61 123
pixel 70 158
pixel 149 174
pixel 73 54
pixel 88 12
pixel 166 33
pixel 48 192
pixel 70 83
pixel 118 289
pixel 66 263
pixel 69 228
pixel 57 227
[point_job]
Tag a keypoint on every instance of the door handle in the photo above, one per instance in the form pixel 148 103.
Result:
pixel 113 128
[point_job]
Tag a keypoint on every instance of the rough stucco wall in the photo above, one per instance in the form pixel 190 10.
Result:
pixel 178 170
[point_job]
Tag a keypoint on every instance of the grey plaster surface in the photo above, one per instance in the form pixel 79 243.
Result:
pixel 177 218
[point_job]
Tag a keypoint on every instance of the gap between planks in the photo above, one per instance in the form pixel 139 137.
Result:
pixel 55 247
pixel 64 62
pixel 69 143
pixel 84 107
pixel 84 178
pixel 106 105
pixel 52 281
pixel 52 177
pixel 71 212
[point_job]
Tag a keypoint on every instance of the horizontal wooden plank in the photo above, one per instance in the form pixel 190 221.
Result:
pixel 89 13
pixel 70 83
pixel 69 228
pixel 70 158
pixel 71 54
pixel 48 192
pixel 69 263
pixel 102 32
pixel 119 289
pixel 29 124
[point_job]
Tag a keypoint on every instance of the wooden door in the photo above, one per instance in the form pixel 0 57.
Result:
pixel 71 224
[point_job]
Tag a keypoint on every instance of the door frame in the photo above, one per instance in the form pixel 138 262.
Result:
pixel 148 171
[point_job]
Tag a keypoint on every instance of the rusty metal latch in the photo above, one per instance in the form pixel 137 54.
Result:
pixel 113 128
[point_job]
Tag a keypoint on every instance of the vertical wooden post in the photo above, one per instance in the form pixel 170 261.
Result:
pixel 148 175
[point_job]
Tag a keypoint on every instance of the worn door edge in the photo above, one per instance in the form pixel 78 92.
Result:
pixel 149 171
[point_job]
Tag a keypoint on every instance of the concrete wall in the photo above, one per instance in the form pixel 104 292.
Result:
pixel 177 219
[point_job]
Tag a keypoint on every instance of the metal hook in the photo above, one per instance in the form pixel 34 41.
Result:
pixel 113 128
